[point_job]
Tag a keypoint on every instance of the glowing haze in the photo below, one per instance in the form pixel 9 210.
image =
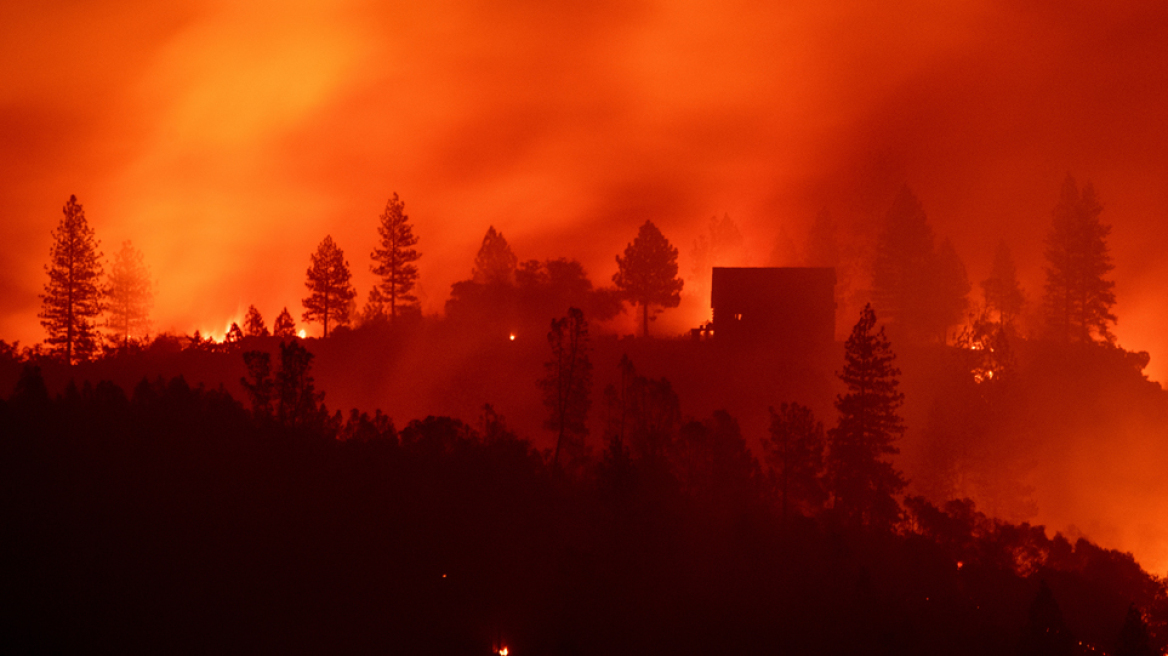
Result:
pixel 227 139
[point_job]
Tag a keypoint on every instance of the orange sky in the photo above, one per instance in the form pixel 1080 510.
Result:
pixel 226 138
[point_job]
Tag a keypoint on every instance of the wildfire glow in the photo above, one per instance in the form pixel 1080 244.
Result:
pixel 513 337
pixel 303 333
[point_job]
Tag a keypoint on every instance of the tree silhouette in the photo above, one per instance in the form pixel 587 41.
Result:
pixel 567 383
pixel 284 327
pixel 234 334
pixel 394 258
pixel 919 289
pixel 642 412
pixel 1134 638
pixel 72 300
pixel 259 383
pixel 647 274
pixel 374 310
pixel 1078 298
pixel 297 401
pixel 328 282
pixel 1045 633
pixel 862 483
pixel 794 451
pixel 495 262
pixel 128 295
pixel 1002 292
pixel 253 323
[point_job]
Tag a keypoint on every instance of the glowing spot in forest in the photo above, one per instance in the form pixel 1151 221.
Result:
pixel 513 337
pixel 503 651
pixel 960 564
pixel 303 333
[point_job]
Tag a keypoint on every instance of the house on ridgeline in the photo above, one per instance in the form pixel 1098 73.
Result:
pixel 787 308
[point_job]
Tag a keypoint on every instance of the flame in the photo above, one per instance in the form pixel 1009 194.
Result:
pixel 303 333
pixel 513 337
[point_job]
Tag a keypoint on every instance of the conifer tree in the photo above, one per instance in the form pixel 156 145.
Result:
pixel 253 323
pixel 1134 638
pixel 374 310
pixel 794 451
pixel 1078 297
pixel 234 334
pixel 394 258
pixel 567 383
pixel 328 282
pixel 284 327
pixel 920 290
pixel 128 295
pixel 1002 292
pixel 647 274
pixel 72 301
pixel 495 262
pixel 862 483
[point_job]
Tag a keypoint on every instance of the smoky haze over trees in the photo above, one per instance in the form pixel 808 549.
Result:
pixel 712 480
pixel 129 296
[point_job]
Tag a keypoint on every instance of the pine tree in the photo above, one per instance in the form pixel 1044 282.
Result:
pixel 794 451
pixel 374 310
pixel 1046 633
pixel 328 282
pixel 72 301
pixel 253 323
pixel 128 295
pixel 1002 292
pixel 919 289
pixel 862 483
pixel 394 259
pixel 567 383
pixel 234 334
pixel 647 274
pixel 1134 638
pixel 495 262
pixel 1078 298
pixel 284 327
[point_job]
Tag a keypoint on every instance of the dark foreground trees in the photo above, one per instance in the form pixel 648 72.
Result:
pixel 72 302
pixel 168 519
pixel 647 273
pixel 863 483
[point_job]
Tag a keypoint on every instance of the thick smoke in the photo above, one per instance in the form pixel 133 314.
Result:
pixel 228 140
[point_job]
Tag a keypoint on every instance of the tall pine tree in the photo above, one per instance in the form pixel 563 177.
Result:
pixel 129 296
pixel 495 262
pixel 72 301
pixel 395 256
pixel 1003 294
pixel 284 327
pixel 328 282
pixel 1078 297
pixel 862 483
pixel 567 383
pixel 920 290
pixel 647 274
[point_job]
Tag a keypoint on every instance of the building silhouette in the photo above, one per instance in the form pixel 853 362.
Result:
pixel 787 308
